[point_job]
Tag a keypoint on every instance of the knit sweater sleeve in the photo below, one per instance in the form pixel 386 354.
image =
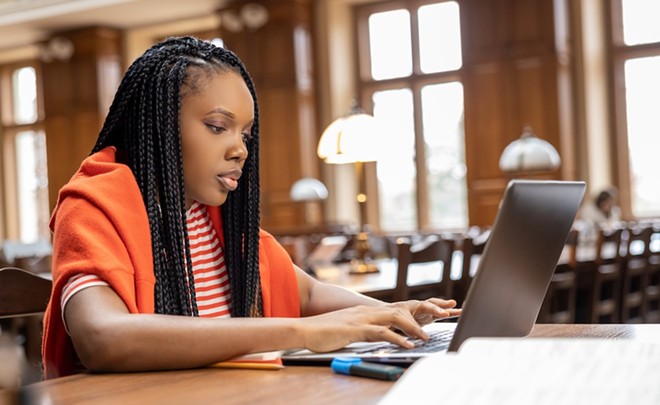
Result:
pixel 100 227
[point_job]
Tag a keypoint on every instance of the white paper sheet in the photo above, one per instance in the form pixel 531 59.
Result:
pixel 497 371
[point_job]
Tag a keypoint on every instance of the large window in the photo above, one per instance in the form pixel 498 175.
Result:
pixel 636 52
pixel 410 75
pixel 24 172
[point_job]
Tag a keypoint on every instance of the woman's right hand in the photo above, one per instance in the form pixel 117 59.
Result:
pixel 363 323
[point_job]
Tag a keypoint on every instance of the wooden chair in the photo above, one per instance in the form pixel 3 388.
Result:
pixel 606 286
pixel 635 274
pixel 23 299
pixel 652 294
pixel 559 305
pixel 22 293
pixel 35 264
pixel 3 260
pixel 433 248
pixel 473 244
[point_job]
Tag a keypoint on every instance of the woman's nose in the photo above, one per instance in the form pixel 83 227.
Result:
pixel 238 150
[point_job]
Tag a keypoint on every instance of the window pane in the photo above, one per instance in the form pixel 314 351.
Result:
pixel 30 148
pixel 439 37
pixel 642 100
pixel 640 21
pixel 24 85
pixel 396 167
pixel 390 44
pixel 442 112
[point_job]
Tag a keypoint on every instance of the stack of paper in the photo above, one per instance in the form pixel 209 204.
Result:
pixel 536 371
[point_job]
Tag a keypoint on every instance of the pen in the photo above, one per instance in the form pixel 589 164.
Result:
pixel 248 365
pixel 355 366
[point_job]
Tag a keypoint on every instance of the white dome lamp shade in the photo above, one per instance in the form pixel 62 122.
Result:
pixel 308 189
pixel 350 139
pixel 529 153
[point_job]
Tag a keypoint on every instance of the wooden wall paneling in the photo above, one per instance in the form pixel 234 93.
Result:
pixel 511 81
pixel 484 138
pixel 76 99
pixel 278 156
pixel 485 90
pixel 279 59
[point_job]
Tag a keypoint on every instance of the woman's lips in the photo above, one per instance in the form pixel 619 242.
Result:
pixel 229 178
pixel 228 182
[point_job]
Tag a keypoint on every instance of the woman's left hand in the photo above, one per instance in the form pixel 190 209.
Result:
pixel 430 310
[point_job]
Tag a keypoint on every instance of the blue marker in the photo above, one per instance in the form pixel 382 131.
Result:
pixel 355 366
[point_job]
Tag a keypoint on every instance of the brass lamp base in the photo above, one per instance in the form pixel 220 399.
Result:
pixel 359 266
pixel 362 263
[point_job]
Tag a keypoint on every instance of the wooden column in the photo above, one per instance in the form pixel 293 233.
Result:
pixel 516 69
pixel 77 94
pixel 279 57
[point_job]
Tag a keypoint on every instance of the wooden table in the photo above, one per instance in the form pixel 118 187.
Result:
pixel 385 278
pixel 339 274
pixel 292 385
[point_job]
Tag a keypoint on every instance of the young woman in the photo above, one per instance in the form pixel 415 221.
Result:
pixel 158 259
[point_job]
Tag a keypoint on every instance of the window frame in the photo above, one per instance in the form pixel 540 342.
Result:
pixel 9 129
pixel 619 53
pixel 366 87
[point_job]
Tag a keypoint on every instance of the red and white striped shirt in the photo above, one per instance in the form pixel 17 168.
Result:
pixel 209 270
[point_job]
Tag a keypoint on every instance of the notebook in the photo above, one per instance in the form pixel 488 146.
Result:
pixel 512 277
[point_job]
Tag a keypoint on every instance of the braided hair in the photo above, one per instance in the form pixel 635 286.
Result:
pixel 143 124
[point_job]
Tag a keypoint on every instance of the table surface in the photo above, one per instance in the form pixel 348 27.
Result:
pixel 385 278
pixel 293 384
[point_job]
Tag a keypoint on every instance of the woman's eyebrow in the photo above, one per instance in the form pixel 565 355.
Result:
pixel 222 111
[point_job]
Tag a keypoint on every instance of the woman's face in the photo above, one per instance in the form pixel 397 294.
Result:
pixel 606 205
pixel 216 119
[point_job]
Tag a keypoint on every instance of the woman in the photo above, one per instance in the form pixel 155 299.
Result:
pixel 150 273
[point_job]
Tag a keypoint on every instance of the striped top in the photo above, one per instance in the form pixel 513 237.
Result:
pixel 209 270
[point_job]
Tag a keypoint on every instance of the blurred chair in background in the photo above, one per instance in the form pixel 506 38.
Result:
pixel 606 287
pixel 24 297
pixel 652 294
pixel 559 305
pixel 473 244
pixel 635 274
pixel 433 250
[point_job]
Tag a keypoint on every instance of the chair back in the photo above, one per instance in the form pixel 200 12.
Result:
pixel 608 246
pixel 652 294
pixel 638 243
pixel 433 248
pixel 635 274
pixel 559 304
pixel 472 247
pixel 608 269
pixel 22 293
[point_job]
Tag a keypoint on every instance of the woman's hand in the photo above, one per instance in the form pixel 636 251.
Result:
pixel 430 310
pixel 365 323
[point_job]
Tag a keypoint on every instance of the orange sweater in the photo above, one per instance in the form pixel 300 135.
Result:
pixel 100 226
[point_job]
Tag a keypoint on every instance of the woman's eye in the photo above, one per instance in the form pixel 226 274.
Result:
pixel 215 129
pixel 246 136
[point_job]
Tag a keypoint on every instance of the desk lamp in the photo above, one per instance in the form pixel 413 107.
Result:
pixel 528 155
pixel 308 191
pixel 353 138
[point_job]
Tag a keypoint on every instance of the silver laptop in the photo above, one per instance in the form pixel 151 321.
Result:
pixel 512 277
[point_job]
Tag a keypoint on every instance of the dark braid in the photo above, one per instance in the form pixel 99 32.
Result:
pixel 143 122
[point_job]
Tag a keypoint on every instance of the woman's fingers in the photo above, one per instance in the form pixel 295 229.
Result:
pixel 446 304
pixel 335 330
pixel 381 333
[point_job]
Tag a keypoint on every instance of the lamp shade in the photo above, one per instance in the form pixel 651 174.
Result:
pixel 529 153
pixel 308 189
pixel 349 139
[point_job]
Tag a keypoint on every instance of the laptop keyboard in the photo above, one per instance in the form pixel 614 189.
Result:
pixel 438 341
